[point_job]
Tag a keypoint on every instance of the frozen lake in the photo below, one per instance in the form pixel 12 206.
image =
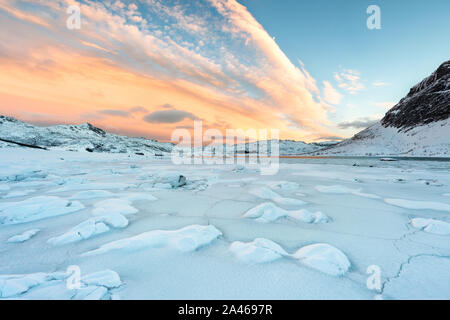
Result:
pixel 134 230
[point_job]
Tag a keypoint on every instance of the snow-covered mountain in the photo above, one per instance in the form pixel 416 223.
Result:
pixel 287 147
pixel 83 137
pixel 86 137
pixel 418 125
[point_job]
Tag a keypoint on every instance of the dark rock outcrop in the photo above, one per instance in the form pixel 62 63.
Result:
pixel 426 102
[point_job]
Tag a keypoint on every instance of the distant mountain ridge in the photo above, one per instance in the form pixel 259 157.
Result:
pixel 418 125
pixel 86 137
pixel 82 137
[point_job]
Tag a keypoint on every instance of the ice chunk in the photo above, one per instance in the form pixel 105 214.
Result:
pixel 323 257
pixel 114 206
pixel 24 236
pixel 18 193
pixel 431 226
pixel 186 239
pixel 92 194
pixel 419 205
pixel 175 179
pixel 106 278
pixel 259 250
pixel 268 212
pixel 91 293
pixel 4 187
pixel 164 180
pixel 20 174
pixel 35 209
pixel 12 285
pixel 53 286
pixel 308 216
pixel 84 230
pixel 337 189
pixel 90 228
pixel 268 194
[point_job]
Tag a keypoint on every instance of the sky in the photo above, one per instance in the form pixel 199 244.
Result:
pixel 312 69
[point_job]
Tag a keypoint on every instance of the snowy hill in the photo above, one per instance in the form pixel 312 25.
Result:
pixel 418 125
pixel 86 137
pixel 288 147
pixel 83 137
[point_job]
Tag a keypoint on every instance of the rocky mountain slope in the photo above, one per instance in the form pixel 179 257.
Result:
pixel 83 137
pixel 418 125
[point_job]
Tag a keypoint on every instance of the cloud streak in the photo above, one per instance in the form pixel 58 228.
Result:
pixel 349 80
pixel 169 116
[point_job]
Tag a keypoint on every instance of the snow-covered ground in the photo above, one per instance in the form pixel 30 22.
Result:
pixel 429 140
pixel 134 229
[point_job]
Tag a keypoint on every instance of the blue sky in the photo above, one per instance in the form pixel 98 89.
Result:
pixel 311 69
pixel 330 35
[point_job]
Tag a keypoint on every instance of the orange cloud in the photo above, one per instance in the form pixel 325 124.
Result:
pixel 114 64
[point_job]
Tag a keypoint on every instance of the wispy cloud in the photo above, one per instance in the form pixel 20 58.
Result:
pixel 380 84
pixel 169 116
pixel 330 94
pixel 349 80
pixel 111 112
pixel 138 109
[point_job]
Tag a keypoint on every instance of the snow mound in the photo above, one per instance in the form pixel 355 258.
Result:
pixel 14 174
pixel 259 250
pixel 269 212
pixel 18 193
pixel 164 180
pixel 36 208
pixel 309 217
pixel 12 285
pixel 27 235
pixel 91 194
pixel 94 286
pixel 106 278
pixel 268 194
pixel 337 189
pixel 90 228
pixel 186 239
pixel 323 257
pixel 431 226
pixel 114 206
pixel 419 205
